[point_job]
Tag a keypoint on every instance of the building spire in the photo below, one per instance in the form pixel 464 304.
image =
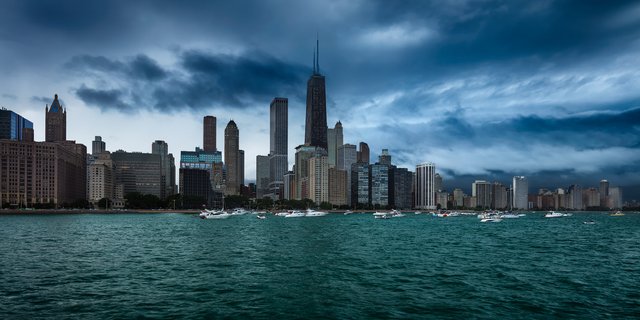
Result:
pixel 317 54
pixel 314 62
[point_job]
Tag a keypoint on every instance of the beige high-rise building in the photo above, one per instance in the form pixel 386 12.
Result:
pixel 100 178
pixel 301 170
pixel 232 158
pixel 319 178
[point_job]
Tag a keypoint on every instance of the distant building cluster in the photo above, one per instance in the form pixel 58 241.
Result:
pixel 59 172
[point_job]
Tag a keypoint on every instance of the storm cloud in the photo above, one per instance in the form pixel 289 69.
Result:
pixel 486 89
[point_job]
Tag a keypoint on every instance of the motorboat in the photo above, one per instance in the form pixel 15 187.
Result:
pixel 417 212
pixel 491 220
pixel 238 212
pixel 216 215
pixel 589 222
pixel 295 214
pixel 396 214
pixel 509 215
pixel 313 213
pixel 261 217
pixel 522 215
pixel 283 213
pixel 381 215
pixel 617 214
pixel 555 214
pixel 348 212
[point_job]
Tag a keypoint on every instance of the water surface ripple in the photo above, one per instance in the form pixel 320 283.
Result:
pixel 349 267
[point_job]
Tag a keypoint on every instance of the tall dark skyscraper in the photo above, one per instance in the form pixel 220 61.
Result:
pixel 56 122
pixel 209 134
pixel 278 159
pixel 363 153
pixel 316 122
pixel 232 158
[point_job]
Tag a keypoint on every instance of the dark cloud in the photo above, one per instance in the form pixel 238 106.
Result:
pixel 200 80
pixel 103 99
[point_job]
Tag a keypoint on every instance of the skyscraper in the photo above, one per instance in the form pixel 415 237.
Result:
pixel 380 186
pixel 278 156
pixel 168 178
pixel 12 125
pixel 334 141
pixel 481 190
pixel 232 158
pixel 363 153
pixel 98 146
pixel 262 176
pixel 56 122
pixel 316 120
pixel 360 187
pixel 319 178
pixel 209 134
pixel 347 156
pixel 385 157
pixel 303 153
pixel 425 186
pixel 604 193
pixel 520 193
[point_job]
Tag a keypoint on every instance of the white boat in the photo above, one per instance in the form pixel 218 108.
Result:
pixel 348 212
pixel 522 215
pixel 386 216
pixel 509 216
pixel 380 213
pixel 417 212
pixel 396 214
pixel 216 215
pixel 238 212
pixel 555 214
pixel 589 222
pixel 295 214
pixel 313 213
pixel 282 214
pixel 261 217
pixel 491 220
pixel 617 214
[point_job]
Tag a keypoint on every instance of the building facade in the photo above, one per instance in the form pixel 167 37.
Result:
pixel 56 122
pixel 520 191
pixel 425 186
pixel 138 172
pixel 319 178
pixel 13 125
pixel 402 184
pixel 316 118
pixel 232 158
pixel 338 187
pixel 209 134
pixel 262 176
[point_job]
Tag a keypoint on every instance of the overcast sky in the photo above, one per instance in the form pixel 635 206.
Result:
pixel 484 89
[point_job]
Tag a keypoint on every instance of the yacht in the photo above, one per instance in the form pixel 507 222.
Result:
pixel 261 216
pixel 238 212
pixel 396 214
pixel 509 215
pixel 555 214
pixel 295 214
pixel 348 212
pixel 491 220
pixel 381 215
pixel 214 214
pixel 313 213
pixel 282 213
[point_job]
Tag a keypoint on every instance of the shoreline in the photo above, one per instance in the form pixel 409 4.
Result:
pixel 190 211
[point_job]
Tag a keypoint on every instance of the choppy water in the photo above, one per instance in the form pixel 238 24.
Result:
pixel 354 267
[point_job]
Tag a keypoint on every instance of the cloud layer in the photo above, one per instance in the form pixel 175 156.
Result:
pixel 482 88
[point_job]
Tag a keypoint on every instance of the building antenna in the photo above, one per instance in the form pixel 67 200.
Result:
pixel 317 53
pixel 314 62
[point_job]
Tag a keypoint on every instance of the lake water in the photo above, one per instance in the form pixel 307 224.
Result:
pixel 350 267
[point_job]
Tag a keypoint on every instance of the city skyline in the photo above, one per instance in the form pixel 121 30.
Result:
pixel 557 107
